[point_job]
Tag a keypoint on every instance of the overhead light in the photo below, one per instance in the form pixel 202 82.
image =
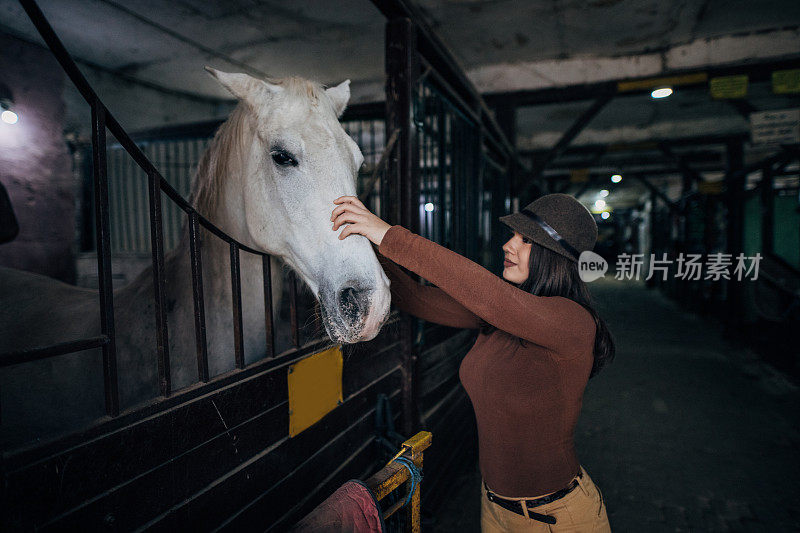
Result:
pixel 661 92
pixel 604 193
pixel 429 207
pixel 9 117
pixel 604 215
pixel 616 178
pixel 6 101
pixel 600 204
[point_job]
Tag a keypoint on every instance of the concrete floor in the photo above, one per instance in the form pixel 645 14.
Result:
pixel 683 432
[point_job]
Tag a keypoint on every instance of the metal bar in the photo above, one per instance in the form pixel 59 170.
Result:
pixel 452 95
pixel 442 61
pixel 196 258
pixel 236 296
pixel 441 142
pixel 402 73
pixel 102 228
pixel 80 82
pixel 368 188
pixel 675 208
pixel 293 309
pixel 266 267
pixel 767 210
pixel 683 166
pixel 159 283
pixel 34 354
pixel 571 133
pixel 735 182
pixel 402 69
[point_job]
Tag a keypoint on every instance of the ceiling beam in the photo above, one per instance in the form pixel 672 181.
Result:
pixel 761 71
pixel 675 208
pixel 565 139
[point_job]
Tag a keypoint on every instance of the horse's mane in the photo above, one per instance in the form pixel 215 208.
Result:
pixel 225 151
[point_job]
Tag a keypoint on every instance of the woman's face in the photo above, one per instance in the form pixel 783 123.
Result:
pixel 517 252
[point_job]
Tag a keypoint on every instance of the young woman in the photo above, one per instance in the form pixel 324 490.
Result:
pixel 540 340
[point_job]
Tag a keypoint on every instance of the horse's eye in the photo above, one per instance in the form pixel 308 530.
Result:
pixel 283 159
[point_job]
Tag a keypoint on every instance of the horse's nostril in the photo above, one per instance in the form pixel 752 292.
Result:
pixel 348 298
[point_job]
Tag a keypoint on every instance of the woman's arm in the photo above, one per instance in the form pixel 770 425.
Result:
pixel 428 303
pixel 553 322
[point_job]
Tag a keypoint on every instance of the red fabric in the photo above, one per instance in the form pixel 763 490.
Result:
pixel 352 509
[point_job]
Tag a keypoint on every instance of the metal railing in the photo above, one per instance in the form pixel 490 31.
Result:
pixel 394 475
pixel 103 121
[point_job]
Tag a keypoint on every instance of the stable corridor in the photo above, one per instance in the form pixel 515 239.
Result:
pixel 683 432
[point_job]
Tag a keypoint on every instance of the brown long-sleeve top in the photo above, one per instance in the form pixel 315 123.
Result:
pixel 526 398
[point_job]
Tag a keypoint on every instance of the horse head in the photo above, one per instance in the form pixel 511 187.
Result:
pixel 293 159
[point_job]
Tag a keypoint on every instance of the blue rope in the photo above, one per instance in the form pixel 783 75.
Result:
pixel 416 475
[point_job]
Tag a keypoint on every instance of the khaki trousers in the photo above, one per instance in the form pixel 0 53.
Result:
pixel 581 511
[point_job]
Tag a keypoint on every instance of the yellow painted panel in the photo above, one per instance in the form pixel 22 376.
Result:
pixel 728 86
pixel 786 81
pixel 652 83
pixel 315 388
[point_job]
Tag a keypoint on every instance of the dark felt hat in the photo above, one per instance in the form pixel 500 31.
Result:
pixel 558 222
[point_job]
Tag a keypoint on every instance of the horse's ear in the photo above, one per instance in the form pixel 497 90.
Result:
pixel 242 86
pixel 340 95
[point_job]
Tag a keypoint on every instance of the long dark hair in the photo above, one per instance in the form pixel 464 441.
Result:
pixel 552 274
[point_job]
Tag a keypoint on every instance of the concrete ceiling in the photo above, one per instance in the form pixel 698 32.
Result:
pixel 168 42
pixel 504 45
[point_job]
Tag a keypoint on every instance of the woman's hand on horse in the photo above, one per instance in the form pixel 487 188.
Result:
pixel 359 220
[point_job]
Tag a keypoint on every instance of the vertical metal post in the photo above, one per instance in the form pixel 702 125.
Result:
pixel 502 184
pixel 102 228
pixel 266 268
pixel 653 230
pixel 402 69
pixel 159 286
pixel 293 310
pixel 402 72
pixel 735 195
pixel 767 210
pixel 442 179
pixel 682 244
pixel 201 346
pixel 236 300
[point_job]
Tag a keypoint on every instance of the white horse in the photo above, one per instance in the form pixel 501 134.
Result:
pixel 268 179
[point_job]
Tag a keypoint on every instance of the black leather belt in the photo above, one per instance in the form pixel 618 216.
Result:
pixel 516 505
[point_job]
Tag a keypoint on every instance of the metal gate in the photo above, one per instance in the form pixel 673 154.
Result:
pixel 218 453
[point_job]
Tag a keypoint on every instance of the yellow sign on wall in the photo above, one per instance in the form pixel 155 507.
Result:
pixel 786 81
pixel 728 86
pixel 315 388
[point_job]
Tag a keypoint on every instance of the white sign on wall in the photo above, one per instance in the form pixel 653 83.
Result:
pixel 775 127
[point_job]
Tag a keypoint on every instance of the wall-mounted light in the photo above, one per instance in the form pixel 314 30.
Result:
pixel 600 204
pixel 661 92
pixel 603 193
pixel 9 117
pixel 429 207
pixel 604 215
pixel 616 178
pixel 6 103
